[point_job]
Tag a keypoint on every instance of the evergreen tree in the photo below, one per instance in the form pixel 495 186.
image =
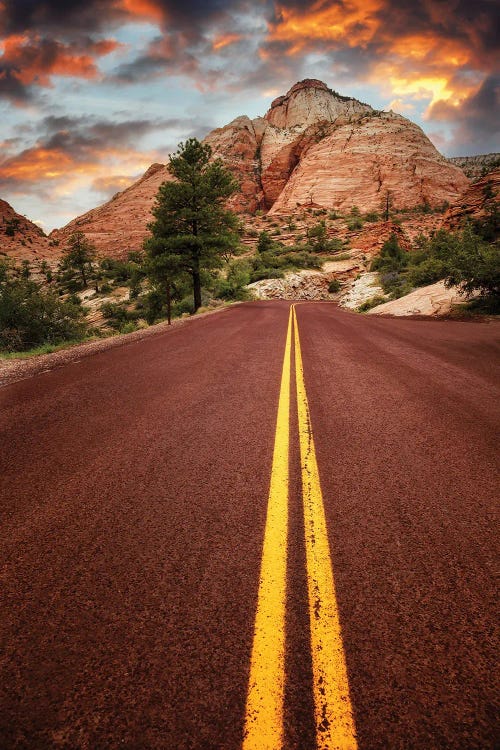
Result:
pixel 79 256
pixel 192 230
pixel 474 265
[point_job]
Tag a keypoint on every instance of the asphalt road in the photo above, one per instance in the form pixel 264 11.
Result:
pixel 134 495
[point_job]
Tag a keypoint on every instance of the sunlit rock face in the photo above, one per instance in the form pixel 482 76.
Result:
pixel 359 161
pixel 312 147
pixel 20 238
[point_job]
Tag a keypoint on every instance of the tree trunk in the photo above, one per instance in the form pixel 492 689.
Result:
pixel 169 305
pixel 196 289
pixel 84 277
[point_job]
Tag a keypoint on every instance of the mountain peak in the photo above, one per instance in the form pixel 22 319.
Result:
pixel 306 83
pixel 311 101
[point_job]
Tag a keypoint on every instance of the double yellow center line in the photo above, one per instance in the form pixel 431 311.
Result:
pixel 265 700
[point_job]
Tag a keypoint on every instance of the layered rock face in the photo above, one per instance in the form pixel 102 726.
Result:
pixel 238 145
pixel 313 147
pixel 359 162
pixel 20 238
pixel 475 202
pixel 120 225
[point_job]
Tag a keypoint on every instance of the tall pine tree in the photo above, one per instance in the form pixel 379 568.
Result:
pixel 192 230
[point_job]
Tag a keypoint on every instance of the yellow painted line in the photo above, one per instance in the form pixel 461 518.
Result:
pixel 334 719
pixel 264 708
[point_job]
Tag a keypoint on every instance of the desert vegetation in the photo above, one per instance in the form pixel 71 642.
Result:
pixel 468 259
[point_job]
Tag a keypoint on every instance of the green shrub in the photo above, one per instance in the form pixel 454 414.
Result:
pixel 265 273
pixel 334 286
pixel 392 257
pixel 428 271
pixel 31 316
pixel 372 302
pixel 233 286
pixel 355 224
pixel 372 216
pixel 116 314
pixel 474 265
pixel 129 327
pixel 183 307
pixel 265 242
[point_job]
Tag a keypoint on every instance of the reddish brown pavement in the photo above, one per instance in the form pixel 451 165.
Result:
pixel 134 487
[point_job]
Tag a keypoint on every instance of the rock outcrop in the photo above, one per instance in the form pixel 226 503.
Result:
pixel 120 225
pixel 434 300
pixel 238 145
pixel 360 161
pixel 305 285
pixel 314 148
pixel 20 238
pixel 476 201
pixel 476 167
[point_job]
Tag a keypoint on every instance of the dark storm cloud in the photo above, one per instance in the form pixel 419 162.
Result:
pixel 64 143
pixel 440 50
pixel 66 16
pixel 476 120
pixel 30 62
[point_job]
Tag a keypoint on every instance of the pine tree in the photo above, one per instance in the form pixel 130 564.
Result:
pixel 79 256
pixel 192 230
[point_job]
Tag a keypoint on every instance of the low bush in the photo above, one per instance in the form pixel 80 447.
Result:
pixel 31 316
pixel 334 286
pixel 355 224
pixel 372 302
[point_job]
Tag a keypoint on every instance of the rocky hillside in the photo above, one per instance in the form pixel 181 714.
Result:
pixel 475 203
pixel 20 238
pixel 120 225
pixel 476 167
pixel 312 148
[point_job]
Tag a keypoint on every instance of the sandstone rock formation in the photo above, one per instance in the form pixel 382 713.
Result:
pixel 475 202
pixel 434 300
pixel 120 225
pixel 313 147
pixel 305 285
pixel 476 167
pixel 359 162
pixel 361 290
pixel 20 238
pixel 371 238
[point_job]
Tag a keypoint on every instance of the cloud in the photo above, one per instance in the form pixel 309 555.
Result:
pixel 475 120
pixel 75 149
pixel 415 48
pixel 29 61
pixel 70 150
pixel 108 185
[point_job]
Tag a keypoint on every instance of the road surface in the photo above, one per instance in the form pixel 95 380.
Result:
pixel 264 529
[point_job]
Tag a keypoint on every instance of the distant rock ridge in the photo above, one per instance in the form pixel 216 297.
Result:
pixel 478 166
pixel 20 238
pixel 313 147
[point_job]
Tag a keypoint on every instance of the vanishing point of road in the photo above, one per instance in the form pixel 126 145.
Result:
pixel 271 528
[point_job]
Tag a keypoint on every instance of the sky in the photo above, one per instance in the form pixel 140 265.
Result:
pixel 94 91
